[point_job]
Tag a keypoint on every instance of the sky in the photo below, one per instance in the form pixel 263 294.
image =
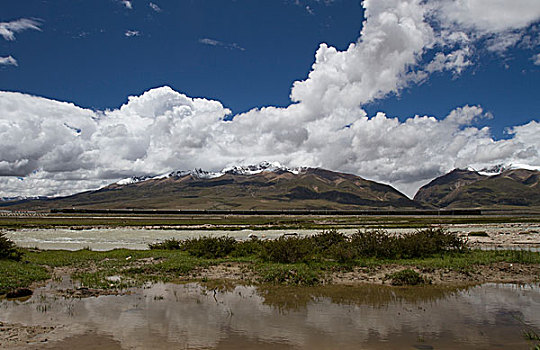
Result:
pixel 397 91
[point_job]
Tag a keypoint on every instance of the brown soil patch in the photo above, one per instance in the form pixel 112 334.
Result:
pixel 18 336
pixel 494 273
pixel 229 271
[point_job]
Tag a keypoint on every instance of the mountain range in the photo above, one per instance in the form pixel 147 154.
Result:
pixel 270 186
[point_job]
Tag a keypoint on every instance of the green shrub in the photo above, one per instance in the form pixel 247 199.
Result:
pixel 406 277
pixel 168 244
pixel 287 250
pixel 325 240
pixel 419 244
pixel 374 243
pixel 247 248
pixel 343 252
pixel 8 249
pixel 209 247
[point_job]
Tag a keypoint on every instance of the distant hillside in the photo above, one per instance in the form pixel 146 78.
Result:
pixel 471 189
pixel 265 186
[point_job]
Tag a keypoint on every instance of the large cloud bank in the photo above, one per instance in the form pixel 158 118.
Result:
pixel 49 147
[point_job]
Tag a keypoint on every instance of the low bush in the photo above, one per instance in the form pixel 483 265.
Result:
pixel 325 240
pixel 168 244
pixel 419 244
pixel 287 250
pixel 209 247
pixel 343 252
pixel 247 248
pixel 374 243
pixel 8 249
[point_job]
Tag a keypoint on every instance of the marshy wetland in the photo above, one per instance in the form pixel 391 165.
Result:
pixel 475 284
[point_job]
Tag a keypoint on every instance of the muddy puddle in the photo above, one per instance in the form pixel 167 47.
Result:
pixel 521 236
pixel 194 316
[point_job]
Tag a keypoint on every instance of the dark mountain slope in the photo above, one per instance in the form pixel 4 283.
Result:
pixel 469 189
pixel 309 188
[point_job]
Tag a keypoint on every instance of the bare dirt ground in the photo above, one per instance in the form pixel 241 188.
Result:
pixel 500 235
pixel 19 336
pixel 494 273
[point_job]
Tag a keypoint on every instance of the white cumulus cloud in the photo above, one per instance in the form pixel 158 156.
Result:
pixel 60 148
pixel 489 16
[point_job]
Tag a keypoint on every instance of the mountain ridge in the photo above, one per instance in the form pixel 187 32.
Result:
pixel 463 188
pixel 270 186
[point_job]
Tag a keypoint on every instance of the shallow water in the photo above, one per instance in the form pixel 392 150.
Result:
pixel 130 238
pixel 139 238
pixel 191 316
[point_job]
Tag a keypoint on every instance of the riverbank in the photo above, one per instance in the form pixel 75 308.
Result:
pixel 330 257
pixel 112 272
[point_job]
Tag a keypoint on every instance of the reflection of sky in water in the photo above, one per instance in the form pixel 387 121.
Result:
pixel 189 316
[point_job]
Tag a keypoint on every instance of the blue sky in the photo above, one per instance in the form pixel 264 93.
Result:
pixel 466 65
pixel 82 55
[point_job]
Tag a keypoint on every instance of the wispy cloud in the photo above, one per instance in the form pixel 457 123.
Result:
pixel 212 42
pixel 536 59
pixel 8 29
pixel 154 7
pixel 8 61
pixel 132 33
pixel 127 4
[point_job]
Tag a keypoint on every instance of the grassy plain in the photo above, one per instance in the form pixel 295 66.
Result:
pixel 257 222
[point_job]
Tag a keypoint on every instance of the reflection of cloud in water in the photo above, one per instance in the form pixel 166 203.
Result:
pixel 165 316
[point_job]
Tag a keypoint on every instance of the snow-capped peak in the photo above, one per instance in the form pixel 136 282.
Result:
pixel 493 170
pixel 500 168
pixel 203 174
pixel 259 168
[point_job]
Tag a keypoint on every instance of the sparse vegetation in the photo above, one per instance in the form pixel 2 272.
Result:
pixel 406 277
pixel 287 260
pixel 289 274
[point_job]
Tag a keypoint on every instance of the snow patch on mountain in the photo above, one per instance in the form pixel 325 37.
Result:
pixel 203 174
pixel 500 168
